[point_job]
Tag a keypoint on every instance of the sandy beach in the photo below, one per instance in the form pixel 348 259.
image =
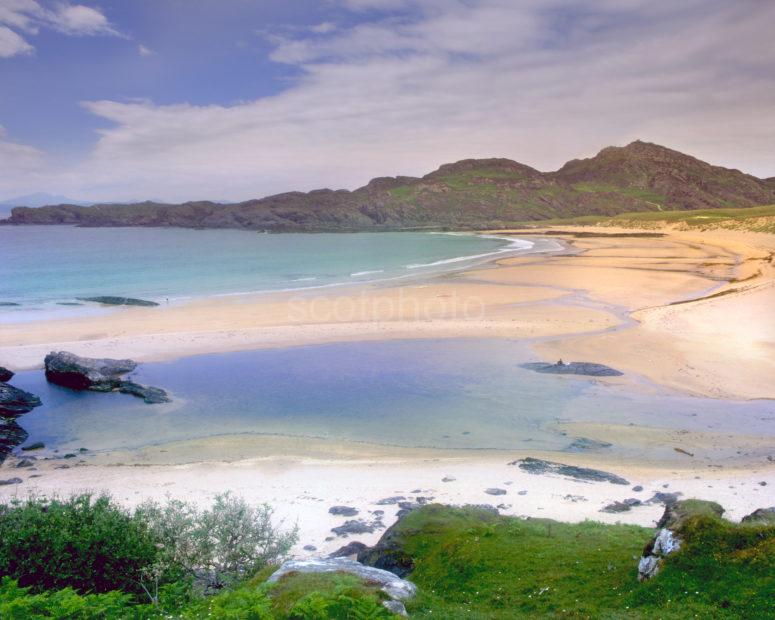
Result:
pixel 686 310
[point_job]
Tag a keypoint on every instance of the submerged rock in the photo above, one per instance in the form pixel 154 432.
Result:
pixel 98 375
pixel 539 466
pixel 85 373
pixel 588 369
pixel 15 402
pixel 151 395
pixel 112 300
pixel 5 374
pixel 583 444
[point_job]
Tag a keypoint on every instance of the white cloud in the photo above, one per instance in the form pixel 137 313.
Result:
pixel 22 167
pixel 540 82
pixel 323 28
pixel 29 16
pixel 144 51
pixel 79 20
pixel 11 44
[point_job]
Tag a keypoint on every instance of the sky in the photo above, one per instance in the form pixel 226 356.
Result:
pixel 115 100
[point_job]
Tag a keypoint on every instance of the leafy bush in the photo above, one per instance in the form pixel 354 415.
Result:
pixel 85 543
pixel 17 603
pixel 221 545
pixel 319 596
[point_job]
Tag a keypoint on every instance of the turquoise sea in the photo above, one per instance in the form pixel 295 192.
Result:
pixel 44 267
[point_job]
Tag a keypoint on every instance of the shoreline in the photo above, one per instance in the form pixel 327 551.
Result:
pixel 606 299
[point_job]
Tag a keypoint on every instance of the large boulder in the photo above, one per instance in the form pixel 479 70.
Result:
pixel 11 436
pixel 99 375
pixel 399 590
pixel 669 537
pixel 85 373
pixel 15 402
pixel 539 466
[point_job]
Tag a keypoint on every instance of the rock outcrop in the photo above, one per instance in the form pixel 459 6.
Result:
pixel 587 369
pixel 539 466
pixel 98 375
pixel 5 374
pixel 15 402
pixel 399 590
pixel 669 539
pixel 11 436
pixel 84 373
pixel 762 516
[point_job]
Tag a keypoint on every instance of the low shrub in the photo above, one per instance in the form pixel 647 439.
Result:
pixel 221 545
pixel 86 543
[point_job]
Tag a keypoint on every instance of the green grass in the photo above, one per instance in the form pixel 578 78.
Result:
pixel 472 565
pixel 757 219
pixel 475 565
pixel 633 192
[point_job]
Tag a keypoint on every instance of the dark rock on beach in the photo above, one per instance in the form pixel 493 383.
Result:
pixel 11 436
pixel 538 466
pixel 623 506
pixel 5 374
pixel 762 516
pixel 84 373
pixel 354 526
pixel 14 402
pixel 587 369
pixel 353 548
pixel 10 481
pixel 343 511
pixel 495 491
pixel 110 300
pixel 98 375
pixel 8 304
pixel 387 501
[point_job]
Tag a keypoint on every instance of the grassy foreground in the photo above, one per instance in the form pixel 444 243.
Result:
pixel 470 563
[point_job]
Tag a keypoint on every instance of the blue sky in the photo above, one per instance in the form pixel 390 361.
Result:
pixel 232 99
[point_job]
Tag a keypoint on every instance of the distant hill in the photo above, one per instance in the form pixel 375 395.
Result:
pixel 41 199
pixel 468 194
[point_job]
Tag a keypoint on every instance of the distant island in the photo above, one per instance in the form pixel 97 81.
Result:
pixel 469 194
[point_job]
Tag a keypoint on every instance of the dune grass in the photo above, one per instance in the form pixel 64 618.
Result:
pixel 756 219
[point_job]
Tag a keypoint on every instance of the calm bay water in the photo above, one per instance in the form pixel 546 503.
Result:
pixel 444 394
pixel 45 266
